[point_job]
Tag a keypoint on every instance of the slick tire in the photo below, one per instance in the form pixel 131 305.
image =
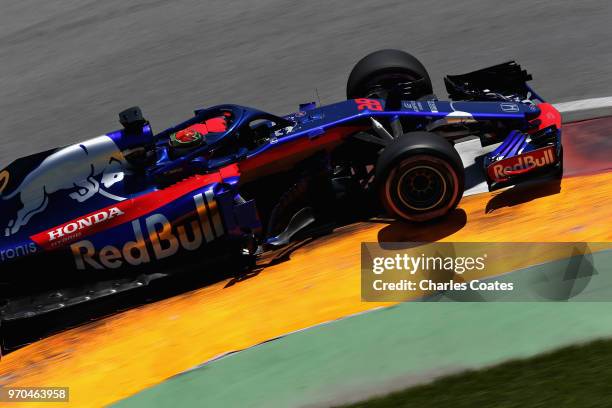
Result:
pixel 419 177
pixel 384 71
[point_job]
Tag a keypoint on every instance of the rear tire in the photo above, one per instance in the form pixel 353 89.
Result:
pixel 420 177
pixel 385 71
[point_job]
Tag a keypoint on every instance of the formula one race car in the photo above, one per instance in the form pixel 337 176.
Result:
pixel 111 213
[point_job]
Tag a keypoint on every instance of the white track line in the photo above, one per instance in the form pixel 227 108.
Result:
pixel 585 108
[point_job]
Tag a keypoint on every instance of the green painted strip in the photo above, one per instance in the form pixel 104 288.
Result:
pixel 390 348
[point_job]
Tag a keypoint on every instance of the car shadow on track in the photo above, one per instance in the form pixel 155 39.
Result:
pixel 523 193
pixel 19 333
pixel 402 231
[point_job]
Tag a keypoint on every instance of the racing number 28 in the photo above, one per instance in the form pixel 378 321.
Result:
pixel 369 104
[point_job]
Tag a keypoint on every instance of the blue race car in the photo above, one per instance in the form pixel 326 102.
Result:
pixel 114 212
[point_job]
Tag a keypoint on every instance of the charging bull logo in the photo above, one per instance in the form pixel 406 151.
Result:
pixel 513 166
pixel 74 167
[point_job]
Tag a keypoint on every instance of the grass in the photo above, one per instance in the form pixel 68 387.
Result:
pixel 576 377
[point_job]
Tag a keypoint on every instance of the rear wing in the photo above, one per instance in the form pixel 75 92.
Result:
pixel 498 82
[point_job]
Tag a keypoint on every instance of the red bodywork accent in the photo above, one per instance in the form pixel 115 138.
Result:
pixel 229 171
pixel 216 124
pixel 548 116
pixel 130 209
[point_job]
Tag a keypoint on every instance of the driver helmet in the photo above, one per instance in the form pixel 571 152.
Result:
pixel 189 137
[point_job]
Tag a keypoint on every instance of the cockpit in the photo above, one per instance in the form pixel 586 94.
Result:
pixel 215 137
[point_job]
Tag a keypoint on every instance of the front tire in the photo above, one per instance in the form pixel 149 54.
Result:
pixel 420 177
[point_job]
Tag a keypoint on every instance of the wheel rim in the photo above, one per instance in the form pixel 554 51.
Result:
pixel 450 193
pixel 421 188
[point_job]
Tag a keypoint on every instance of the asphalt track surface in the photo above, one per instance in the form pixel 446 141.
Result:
pixel 69 66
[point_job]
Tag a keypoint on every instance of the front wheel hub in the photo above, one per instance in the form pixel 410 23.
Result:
pixel 421 188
